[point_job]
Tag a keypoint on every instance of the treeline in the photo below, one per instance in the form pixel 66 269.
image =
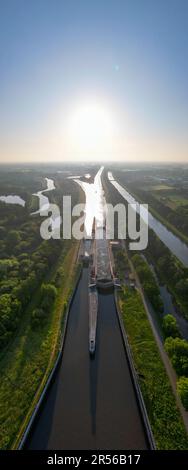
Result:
pixel 170 272
pixel 177 350
pixel 148 282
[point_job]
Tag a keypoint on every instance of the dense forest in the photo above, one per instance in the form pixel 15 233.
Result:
pixel 25 258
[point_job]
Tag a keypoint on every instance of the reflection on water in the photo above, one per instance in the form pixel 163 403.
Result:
pixel 175 245
pixel 43 200
pixel 44 204
pixel 95 203
pixel 13 200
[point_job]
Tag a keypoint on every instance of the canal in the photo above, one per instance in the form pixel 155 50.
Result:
pixel 91 403
pixel 175 245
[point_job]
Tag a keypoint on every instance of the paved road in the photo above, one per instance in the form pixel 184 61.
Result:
pixel 92 403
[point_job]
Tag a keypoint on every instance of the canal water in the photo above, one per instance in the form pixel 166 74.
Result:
pixel 175 245
pixel 92 402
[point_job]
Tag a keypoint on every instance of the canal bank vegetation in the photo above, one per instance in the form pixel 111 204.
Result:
pixel 164 416
pixel 182 387
pixel 175 346
pixel 148 282
pixel 170 326
pixel 170 271
pixel 177 350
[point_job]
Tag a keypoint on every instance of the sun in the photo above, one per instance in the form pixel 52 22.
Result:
pixel 90 128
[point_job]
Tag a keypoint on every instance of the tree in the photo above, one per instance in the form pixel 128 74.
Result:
pixel 182 288
pixel 48 294
pixel 177 349
pixel 182 387
pixel 170 326
pixel 37 317
pixel 13 238
pixel 9 316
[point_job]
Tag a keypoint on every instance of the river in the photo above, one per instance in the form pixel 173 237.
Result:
pixel 13 199
pixel 175 245
pixel 43 200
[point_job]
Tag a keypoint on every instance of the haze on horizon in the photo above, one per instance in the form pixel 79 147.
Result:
pixel 88 80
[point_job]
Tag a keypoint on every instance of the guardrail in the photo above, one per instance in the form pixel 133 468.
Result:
pixel 139 396
pixel 53 371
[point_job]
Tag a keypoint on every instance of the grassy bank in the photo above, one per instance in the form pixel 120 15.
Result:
pixel 30 357
pixel 164 416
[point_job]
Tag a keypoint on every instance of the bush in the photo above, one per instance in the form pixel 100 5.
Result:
pixel 170 327
pixel 37 317
pixel 48 296
pixel 177 349
pixel 182 387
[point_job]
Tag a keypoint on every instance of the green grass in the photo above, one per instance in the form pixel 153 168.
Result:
pixel 164 416
pixel 29 359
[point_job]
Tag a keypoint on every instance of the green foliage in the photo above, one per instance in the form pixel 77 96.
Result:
pixel 59 277
pixel 175 277
pixel 164 416
pixel 9 316
pixel 182 289
pixel 37 318
pixel 121 262
pixel 182 387
pixel 13 238
pixel 148 282
pixel 48 296
pixel 177 350
pixel 170 327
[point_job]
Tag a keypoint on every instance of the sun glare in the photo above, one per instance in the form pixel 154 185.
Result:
pixel 90 128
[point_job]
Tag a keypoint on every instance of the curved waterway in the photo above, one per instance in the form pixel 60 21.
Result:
pixel 92 402
pixel 43 200
pixel 175 245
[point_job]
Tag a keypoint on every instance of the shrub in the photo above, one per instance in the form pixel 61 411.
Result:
pixel 182 387
pixel 177 349
pixel 48 295
pixel 170 327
